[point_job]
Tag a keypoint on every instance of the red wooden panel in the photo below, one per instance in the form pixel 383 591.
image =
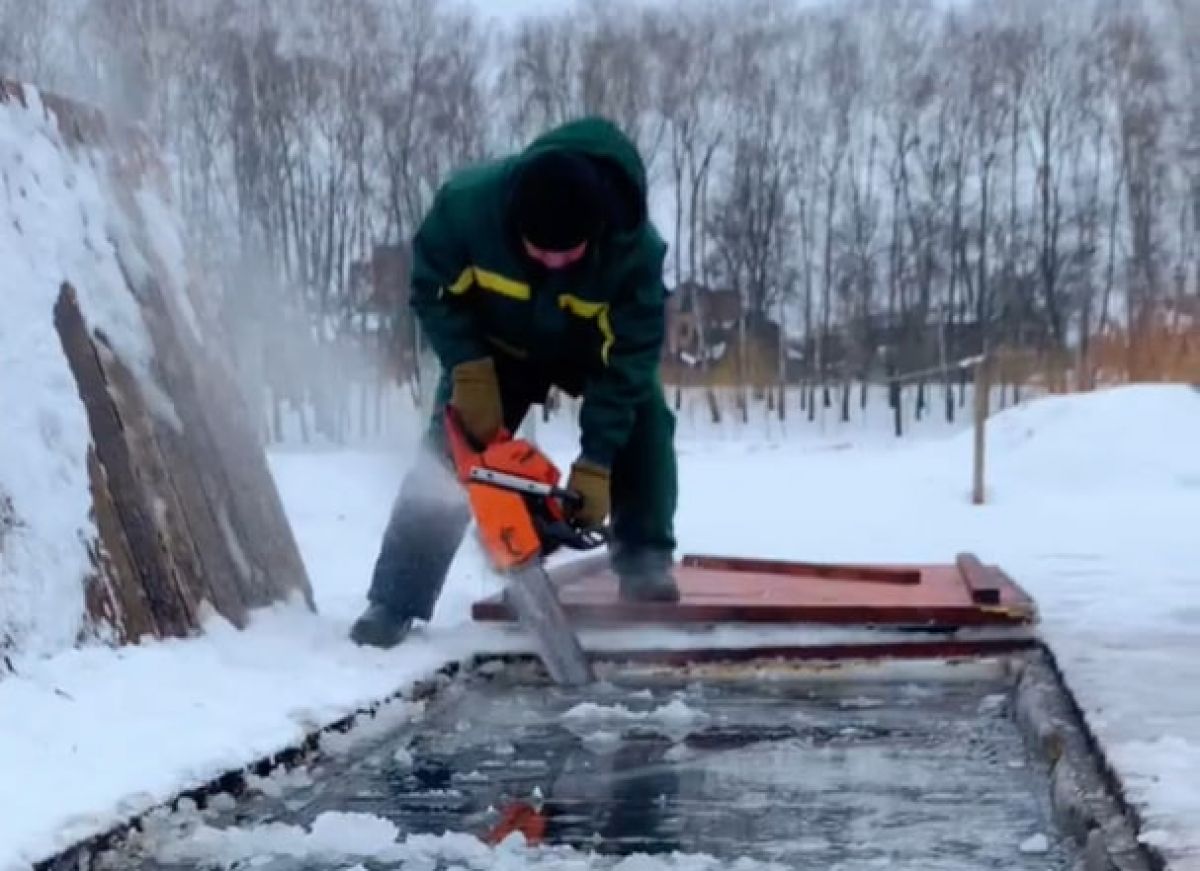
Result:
pixel 753 591
pixel 830 571
pixel 983 583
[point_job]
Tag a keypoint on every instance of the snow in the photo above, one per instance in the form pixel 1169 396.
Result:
pixel 348 837
pixel 63 223
pixel 1035 844
pixel 333 836
pixel 1093 507
pixel 94 736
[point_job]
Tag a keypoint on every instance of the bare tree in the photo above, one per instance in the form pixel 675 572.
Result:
pixel 885 184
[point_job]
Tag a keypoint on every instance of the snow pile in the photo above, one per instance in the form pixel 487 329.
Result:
pixel 1142 438
pixel 333 837
pixel 61 223
pixel 350 837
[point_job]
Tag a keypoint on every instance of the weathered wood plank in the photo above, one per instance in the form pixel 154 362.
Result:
pixel 173 613
pixel 115 595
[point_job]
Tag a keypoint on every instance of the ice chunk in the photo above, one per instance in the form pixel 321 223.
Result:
pixel 337 832
pixel 222 801
pixel 385 719
pixel 601 741
pixel 859 703
pixel 678 753
pixel 186 806
pixel 678 714
pixel 1035 844
pixel 992 703
pixel 1155 838
pixel 676 718
pixel 491 667
pixel 279 780
pixel 590 711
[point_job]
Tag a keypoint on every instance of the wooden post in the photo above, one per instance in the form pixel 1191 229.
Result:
pixel 895 399
pixel 983 385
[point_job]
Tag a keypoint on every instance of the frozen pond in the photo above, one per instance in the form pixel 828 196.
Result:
pixel 915 767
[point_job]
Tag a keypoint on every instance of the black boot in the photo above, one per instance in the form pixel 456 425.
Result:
pixel 644 575
pixel 380 626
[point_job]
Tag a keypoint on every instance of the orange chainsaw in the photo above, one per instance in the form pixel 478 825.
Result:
pixel 523 515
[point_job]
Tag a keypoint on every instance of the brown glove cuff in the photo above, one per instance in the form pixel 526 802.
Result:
pixel 589 468
pixel 476 396
pixel 591 481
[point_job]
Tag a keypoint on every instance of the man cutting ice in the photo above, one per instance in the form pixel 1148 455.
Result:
pixel 536 270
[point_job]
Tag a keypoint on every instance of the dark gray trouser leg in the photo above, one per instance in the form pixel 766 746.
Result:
pixel 427 524
pixel 432 513
pixel 645 484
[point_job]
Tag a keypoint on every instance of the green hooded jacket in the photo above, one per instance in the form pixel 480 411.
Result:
pixel 596 328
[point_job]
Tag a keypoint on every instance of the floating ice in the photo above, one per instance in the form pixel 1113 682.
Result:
pixel 1038 843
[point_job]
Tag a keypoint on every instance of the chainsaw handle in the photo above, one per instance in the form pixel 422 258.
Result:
pixel 570 499
pixel 560 533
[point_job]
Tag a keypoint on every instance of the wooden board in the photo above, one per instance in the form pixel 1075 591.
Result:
pixel 727 590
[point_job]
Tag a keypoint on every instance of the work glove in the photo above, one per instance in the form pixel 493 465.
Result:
pixel 591 481
pixel 475 395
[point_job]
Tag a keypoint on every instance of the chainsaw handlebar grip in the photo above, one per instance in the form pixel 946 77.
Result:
pixel 569 498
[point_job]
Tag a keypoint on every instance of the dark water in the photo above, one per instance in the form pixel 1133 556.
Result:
pixel 920 770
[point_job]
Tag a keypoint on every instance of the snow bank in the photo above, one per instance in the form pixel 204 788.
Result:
pixel 58 227
pixel 96 303
pixel 1143 437
pixel 95 736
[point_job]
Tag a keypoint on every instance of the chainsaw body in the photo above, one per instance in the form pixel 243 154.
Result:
pixel 515 497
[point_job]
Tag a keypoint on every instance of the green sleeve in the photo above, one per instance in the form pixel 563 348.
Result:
pixel 637 318
pixel 439 259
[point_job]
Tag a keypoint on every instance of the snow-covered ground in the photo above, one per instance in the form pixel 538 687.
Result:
pixel 1093 507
